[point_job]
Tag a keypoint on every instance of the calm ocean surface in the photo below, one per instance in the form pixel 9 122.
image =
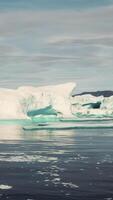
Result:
pixel 56 165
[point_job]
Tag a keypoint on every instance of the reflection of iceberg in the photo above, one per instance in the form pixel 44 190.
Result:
pixel 11 132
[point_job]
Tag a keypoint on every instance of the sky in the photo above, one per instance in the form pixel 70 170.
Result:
pixel 44 42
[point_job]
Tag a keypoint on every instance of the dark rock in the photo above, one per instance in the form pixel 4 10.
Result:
pixel 105 93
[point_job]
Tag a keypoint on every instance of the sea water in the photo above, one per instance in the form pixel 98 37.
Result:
pixel 56 165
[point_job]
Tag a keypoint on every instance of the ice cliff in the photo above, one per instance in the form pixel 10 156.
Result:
pixel 15 104
pixel 28 101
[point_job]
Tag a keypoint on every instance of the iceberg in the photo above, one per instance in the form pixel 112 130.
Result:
pixel 24 102
pixel 91 106
pixel 53 103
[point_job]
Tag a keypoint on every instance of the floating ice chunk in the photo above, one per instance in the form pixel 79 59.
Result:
pixel 5 187
pixel 71 185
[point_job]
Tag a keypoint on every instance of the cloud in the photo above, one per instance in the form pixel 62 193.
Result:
pixel 44 32
pixel 35 31
pixel 78 23
pixel 86 40
pixel 42 46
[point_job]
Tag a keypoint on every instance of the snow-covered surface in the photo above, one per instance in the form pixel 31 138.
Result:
pixel 14 104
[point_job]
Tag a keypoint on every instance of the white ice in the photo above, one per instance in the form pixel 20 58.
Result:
pixel 14 104
pixel 5 187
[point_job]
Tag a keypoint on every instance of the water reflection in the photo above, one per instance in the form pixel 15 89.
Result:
pixel 10 132
pixel 16 132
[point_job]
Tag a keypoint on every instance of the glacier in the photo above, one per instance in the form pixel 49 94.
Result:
pixel 54 102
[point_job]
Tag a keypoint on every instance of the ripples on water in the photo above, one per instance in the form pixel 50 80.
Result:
pixel 60 165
